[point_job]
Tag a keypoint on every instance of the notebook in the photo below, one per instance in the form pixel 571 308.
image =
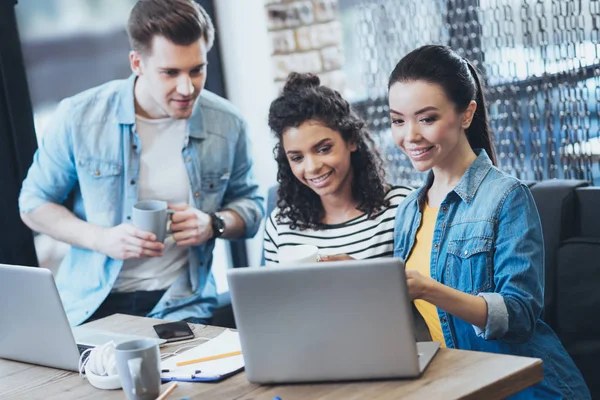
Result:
pixel 209 371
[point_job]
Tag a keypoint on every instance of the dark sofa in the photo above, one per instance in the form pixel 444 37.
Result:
pixel 570 215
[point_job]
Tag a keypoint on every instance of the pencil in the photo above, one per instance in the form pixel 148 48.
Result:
pixel 210 358
pixel 167 392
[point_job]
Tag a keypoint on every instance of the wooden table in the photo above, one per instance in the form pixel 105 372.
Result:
pixel 453 374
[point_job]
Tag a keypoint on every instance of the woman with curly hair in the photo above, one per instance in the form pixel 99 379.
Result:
pixel 332 191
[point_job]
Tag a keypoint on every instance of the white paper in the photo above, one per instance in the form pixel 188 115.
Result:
pixel 226 342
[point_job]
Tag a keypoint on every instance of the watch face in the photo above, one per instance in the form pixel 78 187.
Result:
pixel 218 225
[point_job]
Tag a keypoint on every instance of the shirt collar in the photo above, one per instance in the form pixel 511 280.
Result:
pixel 468 184
pixel 197 129
pixel 471 180
pixel 126 102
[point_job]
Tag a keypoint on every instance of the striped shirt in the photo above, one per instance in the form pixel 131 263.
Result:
pixel 359 237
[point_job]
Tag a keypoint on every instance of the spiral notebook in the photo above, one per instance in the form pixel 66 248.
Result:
pixel 207 371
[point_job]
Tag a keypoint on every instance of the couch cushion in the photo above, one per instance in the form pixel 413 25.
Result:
pixel 589 211
pixel 578 290
pixel 555 201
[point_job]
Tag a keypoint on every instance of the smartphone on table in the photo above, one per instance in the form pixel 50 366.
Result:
pixel 174 331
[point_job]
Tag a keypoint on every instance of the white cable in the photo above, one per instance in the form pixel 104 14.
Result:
pixel 101 360
pixel 82 363
pixel 100 367
pixel 182 348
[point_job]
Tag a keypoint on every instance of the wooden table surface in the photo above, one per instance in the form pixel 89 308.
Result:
pixel 453 374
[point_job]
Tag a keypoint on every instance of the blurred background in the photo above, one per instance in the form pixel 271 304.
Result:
pixel 540 60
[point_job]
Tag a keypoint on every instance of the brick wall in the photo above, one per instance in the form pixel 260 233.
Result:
pixel 306 36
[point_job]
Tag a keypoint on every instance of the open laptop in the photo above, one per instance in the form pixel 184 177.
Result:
pixel 34 327
pixel 345 320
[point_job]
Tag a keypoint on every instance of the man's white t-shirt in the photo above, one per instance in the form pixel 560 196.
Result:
pixel 162 176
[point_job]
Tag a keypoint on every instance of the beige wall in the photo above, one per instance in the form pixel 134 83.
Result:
pixel 306 36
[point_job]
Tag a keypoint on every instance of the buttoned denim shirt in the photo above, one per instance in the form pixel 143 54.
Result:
pixel 487 242
pixel 91 148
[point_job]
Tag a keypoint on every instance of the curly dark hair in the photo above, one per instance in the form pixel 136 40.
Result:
pixel 304 99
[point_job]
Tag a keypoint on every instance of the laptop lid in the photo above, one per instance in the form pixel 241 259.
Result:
pixel 34 325
pixel 35 328
pixel 325 321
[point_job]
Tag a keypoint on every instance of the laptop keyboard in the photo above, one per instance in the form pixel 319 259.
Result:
pixel 83 347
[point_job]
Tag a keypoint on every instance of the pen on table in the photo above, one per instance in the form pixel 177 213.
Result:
pixel 210 358
pixel 167 392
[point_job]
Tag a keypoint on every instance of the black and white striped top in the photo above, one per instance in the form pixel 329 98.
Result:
pixel 360 237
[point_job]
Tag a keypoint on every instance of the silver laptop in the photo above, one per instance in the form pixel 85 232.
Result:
pixel 345 320
pixel 34 327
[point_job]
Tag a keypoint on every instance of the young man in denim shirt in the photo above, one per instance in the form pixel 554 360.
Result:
pixel 156 135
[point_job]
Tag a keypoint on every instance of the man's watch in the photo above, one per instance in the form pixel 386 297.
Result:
pixel 218 225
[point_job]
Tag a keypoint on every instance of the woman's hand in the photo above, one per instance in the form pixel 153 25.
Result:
pixel 469 308
pixel 337 257
pixel 418 285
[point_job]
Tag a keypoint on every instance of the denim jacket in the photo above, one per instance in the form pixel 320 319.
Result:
pixel 487 242
pixel 92 148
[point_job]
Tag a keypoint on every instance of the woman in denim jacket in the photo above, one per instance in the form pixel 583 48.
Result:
pixel 471 236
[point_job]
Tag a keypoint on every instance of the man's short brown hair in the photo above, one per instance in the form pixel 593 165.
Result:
pixel 182 22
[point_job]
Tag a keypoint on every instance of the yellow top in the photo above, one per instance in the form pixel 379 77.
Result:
pixel 419 260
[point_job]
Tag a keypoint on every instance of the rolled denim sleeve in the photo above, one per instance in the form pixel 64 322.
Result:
pixel 497 317
pixel 52 174
pixel 516 303
pixel 242 194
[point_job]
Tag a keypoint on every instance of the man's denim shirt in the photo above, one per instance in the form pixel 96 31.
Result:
pixel 487 241
pixel 92 149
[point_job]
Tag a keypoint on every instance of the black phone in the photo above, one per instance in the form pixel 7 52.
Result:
pixel 174 331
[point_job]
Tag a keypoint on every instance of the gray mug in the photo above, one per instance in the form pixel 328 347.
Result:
pixel 152 216
pixel 138 364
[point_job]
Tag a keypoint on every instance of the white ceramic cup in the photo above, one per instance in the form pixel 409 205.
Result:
pixel 301 254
